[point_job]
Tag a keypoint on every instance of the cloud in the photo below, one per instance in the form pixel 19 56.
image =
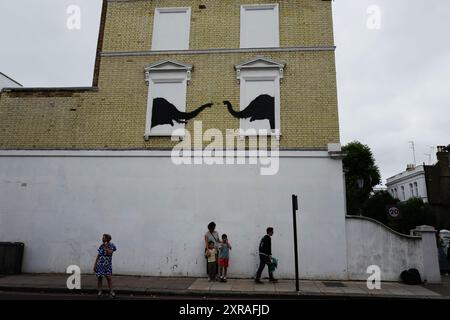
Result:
pixel 39 50
pixel 393 82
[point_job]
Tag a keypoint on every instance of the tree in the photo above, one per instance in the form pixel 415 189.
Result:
pixel 413 212
pixel 375 206
pixel 361 175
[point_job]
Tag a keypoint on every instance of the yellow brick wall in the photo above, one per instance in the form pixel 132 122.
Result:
pixel 129 24
pixel 114 115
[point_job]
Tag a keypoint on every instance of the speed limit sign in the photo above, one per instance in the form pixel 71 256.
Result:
pixel 393 212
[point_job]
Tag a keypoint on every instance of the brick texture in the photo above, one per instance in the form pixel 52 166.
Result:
pixel 129 24
pixel 113 116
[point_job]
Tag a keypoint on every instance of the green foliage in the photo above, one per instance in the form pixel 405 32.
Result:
pixel 375 206
pixel 414 212
pixel 442 217
pixel 359 166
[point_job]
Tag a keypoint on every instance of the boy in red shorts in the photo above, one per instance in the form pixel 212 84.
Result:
pixel 224 257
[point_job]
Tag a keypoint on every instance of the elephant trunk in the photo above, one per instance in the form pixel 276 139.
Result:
pixel 193 114
pixel 236 114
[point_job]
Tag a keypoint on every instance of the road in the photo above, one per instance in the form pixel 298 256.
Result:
pixel 172 306
pixel 15 295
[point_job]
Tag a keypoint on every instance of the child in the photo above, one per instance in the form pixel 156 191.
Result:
pixel 224 257
pixel 103 264
pixel 211 253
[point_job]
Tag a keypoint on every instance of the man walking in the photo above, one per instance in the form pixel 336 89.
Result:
pixel 265 256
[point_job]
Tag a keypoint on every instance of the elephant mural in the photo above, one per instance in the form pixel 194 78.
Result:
pixel 165 112
pixel 262 107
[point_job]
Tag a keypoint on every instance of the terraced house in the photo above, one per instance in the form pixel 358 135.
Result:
pixel 80 162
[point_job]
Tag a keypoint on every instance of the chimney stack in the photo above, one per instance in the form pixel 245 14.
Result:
pixel 443 155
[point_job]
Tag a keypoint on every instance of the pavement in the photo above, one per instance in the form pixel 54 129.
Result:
pixel 234 288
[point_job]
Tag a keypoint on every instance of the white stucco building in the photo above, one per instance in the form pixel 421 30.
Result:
pixel 408 184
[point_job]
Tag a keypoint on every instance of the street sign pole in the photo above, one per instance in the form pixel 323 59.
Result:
pixel 294 216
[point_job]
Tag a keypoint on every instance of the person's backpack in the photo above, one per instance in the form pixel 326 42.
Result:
pixel 411 277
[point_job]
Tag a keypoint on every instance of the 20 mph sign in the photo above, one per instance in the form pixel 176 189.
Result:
pixel 393 212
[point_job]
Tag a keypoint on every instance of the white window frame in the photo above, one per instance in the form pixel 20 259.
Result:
pixel 243 104
pixel 165 71
pixel 249 7
pixel 261 69
pixel 156 20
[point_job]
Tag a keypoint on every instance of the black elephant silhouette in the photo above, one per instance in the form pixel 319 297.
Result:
pixel 262 107
pixel 165 112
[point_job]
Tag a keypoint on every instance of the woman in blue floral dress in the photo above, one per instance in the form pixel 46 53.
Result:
pixel 103 264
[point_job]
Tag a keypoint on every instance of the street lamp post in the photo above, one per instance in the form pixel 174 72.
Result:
pixel 360 182
pixel 294 217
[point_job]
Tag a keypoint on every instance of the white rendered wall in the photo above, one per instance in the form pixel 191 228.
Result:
pixel 370 243
pixel 157 212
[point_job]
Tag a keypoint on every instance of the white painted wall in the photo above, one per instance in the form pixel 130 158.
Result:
pixel 431 272
pixel 371 243
pixel 60 203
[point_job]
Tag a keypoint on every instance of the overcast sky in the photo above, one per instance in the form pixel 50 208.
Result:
pixel 393 66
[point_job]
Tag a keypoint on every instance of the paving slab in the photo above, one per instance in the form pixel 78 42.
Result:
pixel 234 287
pixel 221 286
pixel 200 284
pixel 285 286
